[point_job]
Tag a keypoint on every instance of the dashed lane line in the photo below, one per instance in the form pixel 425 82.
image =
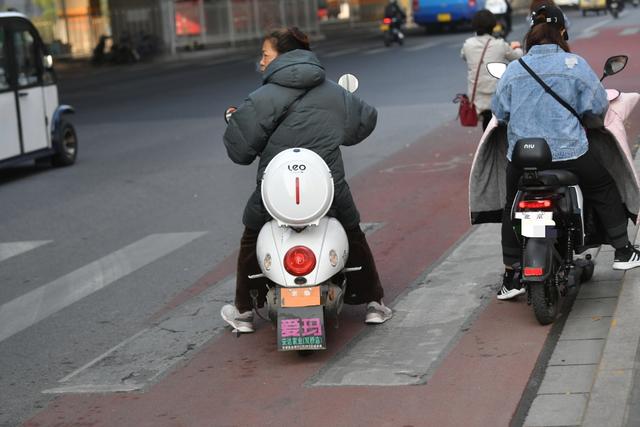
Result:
pixel 422 46
pixel 9 250
pixel 341 52
pixel 630 31
pixel 46 300
pixel 141 359
pixel 427 320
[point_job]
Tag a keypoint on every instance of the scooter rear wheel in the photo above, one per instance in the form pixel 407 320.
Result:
pixel 545 308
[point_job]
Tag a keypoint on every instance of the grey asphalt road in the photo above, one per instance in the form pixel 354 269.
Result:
pixel 153 202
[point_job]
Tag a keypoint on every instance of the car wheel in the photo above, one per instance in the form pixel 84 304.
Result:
pixel 65 144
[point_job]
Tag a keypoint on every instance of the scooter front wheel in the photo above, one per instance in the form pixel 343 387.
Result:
pixel 545 299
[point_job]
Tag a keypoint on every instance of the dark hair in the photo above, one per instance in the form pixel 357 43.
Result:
pixel 483 22
pixel 544 33
pixel 288 39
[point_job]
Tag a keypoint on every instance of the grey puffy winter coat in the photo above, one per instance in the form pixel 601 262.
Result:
pixel 325 118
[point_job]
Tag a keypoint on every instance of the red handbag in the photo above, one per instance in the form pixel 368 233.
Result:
pixel 467 111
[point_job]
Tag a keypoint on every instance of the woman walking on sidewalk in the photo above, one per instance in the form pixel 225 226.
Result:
pixel 296 106
pixel 478 51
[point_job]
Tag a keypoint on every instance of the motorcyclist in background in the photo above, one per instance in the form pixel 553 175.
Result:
pixel 530 112
pixel 394 11
pixel 296 106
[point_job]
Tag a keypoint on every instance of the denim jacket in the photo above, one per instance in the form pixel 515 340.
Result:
pixel 533 113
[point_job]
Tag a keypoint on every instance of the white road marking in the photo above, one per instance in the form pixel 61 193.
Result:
pixel 40 303
pixel 378 50
pixel 139 360
pixel 423 46
pixel 427 321
pixel 341 52
pixel 630 31
pixel 9 250
pixel 590 32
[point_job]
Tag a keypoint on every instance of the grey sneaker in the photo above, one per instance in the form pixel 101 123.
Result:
pixel 377 313
pixel 240 322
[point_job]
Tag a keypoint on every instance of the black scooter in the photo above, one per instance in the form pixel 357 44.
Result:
pixel 392 31
pixel 552 221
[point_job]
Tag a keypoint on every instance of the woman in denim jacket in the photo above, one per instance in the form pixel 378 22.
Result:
pixel 530 112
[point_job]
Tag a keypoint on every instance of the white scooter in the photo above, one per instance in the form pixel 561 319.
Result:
pixel 301 251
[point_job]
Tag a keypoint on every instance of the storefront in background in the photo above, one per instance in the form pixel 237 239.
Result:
pixel 69 27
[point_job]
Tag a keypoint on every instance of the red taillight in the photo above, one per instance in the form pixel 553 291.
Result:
pixel 386 21
pixel 533 271
pixel 416 4
pixel 299 261
pixel 534 204
pixel 472 3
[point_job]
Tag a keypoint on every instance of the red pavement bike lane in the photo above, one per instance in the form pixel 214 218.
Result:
pixel 420 196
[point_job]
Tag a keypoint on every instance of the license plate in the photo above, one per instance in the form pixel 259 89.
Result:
pixel 301 328
pixel 535 223
pixel 384 27
pixel 444 17
pixel 300 297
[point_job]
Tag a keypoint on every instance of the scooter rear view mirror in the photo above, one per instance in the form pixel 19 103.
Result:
pixel 614 65
pixel 349 82
pixel 228 113
pixel 496 69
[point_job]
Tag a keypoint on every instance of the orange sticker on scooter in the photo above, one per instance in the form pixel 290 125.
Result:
pixel 300 297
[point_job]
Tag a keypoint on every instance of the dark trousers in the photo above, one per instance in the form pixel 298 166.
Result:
pixel 486 118
pixel 362 286
pixel 598 189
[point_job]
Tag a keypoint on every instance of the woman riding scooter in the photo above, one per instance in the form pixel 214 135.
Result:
pixel 296 106
pixel 530 112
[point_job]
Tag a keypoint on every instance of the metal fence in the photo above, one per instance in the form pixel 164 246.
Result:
pixel 231 21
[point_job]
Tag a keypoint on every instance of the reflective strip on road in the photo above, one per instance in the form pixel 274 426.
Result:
pixel 40 303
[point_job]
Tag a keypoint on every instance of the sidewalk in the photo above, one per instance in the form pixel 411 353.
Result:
pixel 592 379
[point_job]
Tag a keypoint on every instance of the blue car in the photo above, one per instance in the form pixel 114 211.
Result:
pixel 435 14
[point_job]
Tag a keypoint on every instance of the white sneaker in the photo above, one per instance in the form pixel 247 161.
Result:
pixel 240 322
pixel 506 294
pixel 377 313
pixel 626 258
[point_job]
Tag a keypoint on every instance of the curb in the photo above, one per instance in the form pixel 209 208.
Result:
pixel 610 397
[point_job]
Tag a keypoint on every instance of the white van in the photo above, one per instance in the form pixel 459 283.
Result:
pixel 32 125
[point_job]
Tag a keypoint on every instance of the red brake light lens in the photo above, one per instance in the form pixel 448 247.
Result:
pixel 472 3
pixel 534 204
pixel 416 4
pixel 533 271
pixel 386 21
pixel 299 261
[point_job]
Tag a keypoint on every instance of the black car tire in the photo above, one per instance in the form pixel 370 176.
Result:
pixel 65 144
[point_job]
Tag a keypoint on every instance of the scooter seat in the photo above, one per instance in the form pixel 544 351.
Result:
pixel 557 177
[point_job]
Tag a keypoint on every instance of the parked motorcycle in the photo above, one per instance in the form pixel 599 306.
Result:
pixel 302 252
pixel 549 212
pixel 392 31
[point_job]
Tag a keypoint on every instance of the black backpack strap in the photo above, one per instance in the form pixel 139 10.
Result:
pixel 550 92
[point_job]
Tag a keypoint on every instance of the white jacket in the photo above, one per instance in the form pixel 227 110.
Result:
pixel 498 51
